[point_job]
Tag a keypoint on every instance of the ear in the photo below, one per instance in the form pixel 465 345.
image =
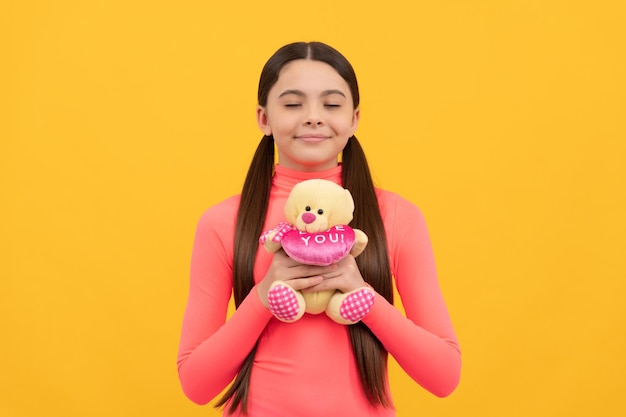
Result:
pixel 349 201
pixel 262 121
pixel 355 120
pixel 291 205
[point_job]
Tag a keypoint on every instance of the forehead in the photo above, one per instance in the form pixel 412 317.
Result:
pixel 310 77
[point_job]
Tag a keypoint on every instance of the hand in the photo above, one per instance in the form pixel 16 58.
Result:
pixel 297 275
pixel 347 277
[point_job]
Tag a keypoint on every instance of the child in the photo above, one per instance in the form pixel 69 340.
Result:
pixel 309 109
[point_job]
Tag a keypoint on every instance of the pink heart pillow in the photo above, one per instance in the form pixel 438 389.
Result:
pixel 322 248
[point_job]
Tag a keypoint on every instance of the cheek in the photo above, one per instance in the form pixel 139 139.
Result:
pixel 342 140
pixel 285 125
pixel 344 125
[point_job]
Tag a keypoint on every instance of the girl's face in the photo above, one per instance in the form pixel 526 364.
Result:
pixel 309 112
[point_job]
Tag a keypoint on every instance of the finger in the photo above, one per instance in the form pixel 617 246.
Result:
pixel 286 272
pixel 328 283
pixel 303 283
pixel 311 270
pixel 316 288
pixel 331 274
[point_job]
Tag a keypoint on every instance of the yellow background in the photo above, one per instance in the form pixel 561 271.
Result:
pixel 121 121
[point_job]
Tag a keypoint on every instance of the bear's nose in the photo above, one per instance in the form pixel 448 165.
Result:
pixel 308 218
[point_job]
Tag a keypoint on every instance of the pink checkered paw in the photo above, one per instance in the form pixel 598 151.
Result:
pixel 282 302
pixel 357 305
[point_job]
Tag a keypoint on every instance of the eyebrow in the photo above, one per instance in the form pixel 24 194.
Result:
pixel 301 93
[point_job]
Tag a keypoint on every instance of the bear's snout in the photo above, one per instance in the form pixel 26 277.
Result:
pixel 308 218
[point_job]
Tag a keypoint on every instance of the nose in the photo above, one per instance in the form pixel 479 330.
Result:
pixel 313 118
pixel 308 218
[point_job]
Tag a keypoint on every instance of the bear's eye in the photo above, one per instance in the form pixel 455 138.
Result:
pixel 320 212
pixel 308 208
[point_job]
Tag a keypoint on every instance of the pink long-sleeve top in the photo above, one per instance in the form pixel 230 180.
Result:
pixel 307 368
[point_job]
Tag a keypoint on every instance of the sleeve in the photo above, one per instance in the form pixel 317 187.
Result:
pixel 211 349
pixel 424 342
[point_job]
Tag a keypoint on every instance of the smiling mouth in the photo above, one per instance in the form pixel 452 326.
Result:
pixel 312 138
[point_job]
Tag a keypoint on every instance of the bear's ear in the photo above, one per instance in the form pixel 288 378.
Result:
pixel 291 209
pixel 295 202
pixel 349 202
pixel 342 208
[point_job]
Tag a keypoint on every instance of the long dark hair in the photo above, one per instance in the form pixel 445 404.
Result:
pixel 370 355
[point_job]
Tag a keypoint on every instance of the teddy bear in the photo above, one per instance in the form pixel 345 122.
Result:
pixel 316 232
